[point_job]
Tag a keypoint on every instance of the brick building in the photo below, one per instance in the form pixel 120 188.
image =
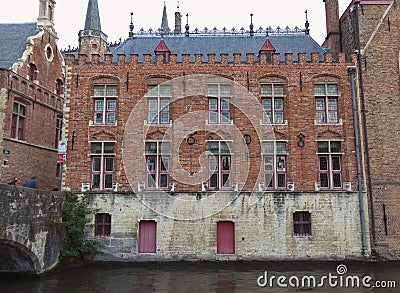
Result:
pixel 372 28
pixel 213 144
pixel 31 95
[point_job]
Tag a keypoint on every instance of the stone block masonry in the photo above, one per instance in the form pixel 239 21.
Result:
pixel 30 229
pixel 263 227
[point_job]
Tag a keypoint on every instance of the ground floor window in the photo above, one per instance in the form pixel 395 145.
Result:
pixel 102 224
pixel 302 224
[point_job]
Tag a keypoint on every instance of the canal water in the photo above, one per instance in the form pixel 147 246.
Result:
pixel 179 277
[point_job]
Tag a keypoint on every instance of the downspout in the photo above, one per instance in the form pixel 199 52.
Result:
pixel 352 71
pixel 364 123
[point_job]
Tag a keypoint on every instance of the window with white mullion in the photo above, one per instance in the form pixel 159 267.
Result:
pixel 102 166
pixel 157 164
pixel 158 99
pixel 219 103
pixel 326 103
pixel 105 104
pixel 329 159
pixel 219 165
pixel 272 96
pixel 274 156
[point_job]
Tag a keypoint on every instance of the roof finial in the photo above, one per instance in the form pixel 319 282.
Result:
pixel 164 21
pixel 307 30
pixel 131 26
pixel 187 25
pixel 177 6
pixel 251 25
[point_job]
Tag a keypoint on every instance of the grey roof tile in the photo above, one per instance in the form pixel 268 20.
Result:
pixel 12 41
pixel 92 16
pixel 212 44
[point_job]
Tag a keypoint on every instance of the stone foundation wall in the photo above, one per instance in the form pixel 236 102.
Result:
pixel 263 226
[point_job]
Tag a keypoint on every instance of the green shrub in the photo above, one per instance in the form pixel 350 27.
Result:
pixel 75 221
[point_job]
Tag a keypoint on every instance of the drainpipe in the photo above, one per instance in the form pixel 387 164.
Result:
pixel 352 71
pixel 364 120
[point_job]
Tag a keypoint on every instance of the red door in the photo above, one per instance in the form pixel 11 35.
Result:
pixel 225 238
pixel 147 237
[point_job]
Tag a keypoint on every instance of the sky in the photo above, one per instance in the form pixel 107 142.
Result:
pixel 115 15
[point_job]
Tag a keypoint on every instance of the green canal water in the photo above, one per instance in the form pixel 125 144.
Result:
pixel 212 277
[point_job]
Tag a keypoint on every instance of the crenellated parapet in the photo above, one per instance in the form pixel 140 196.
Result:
pixel 211 59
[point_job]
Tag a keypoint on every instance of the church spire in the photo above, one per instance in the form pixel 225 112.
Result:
pixel 164 22
pixel 92 16
pixel 91 39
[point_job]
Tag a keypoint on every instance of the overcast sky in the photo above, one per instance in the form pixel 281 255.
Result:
pixel 115 15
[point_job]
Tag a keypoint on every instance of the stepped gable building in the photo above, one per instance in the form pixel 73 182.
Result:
pixel 372 29
pixel 31 99
pixel 213 144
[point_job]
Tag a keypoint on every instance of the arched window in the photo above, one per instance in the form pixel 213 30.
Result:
pixel 59 86
pixel 32 72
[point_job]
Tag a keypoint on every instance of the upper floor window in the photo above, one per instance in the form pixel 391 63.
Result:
pixel 105 104
pixel 32 72
pixel 302 224
pixel 58 131
pixel 274 156
pixel 102 173
pixel 272 103
pixel 219 164
pixel 102 224
pixel 157 161
pixel 18 121
pixel 59 86
pixel 329 158
pixel 158 98
pixel 218 103
pixel 326 103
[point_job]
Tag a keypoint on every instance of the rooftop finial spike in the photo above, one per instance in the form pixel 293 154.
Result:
pixel 177 6
pixel 131 26
pixel 164 21
pixel 187 25
pixel 307 24
pixel 251 25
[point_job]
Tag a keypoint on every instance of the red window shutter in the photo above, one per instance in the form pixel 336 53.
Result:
pixel 225 238
pixel 147 237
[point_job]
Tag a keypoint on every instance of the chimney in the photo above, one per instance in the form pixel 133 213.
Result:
pixel 332 39
pixel 178 23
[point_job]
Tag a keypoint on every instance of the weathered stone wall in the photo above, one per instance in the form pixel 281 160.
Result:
pixel 30 228
pixel 263 226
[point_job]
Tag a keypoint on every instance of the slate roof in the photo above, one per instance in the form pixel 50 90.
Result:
pixel 217 44
pixel 92 21
pixel 12 41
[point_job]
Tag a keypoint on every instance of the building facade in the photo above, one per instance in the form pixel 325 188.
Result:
pixel 31 108
pixel 214 145
pixel 371 28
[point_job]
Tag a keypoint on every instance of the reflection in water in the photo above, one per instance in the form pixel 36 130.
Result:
pixel 201 277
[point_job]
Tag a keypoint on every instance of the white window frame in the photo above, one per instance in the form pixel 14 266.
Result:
pixel 155 93
pixel 223 100
pixel 105 98
pixel 103 156
pixel 326 97
pixel 278 157
pixel 330 156
pixel 273 96
pixel 219 158
pixel 160 156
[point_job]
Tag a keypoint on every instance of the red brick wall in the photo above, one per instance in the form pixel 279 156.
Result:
pixel 302 163
pixel 36 154
pixel 381 94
